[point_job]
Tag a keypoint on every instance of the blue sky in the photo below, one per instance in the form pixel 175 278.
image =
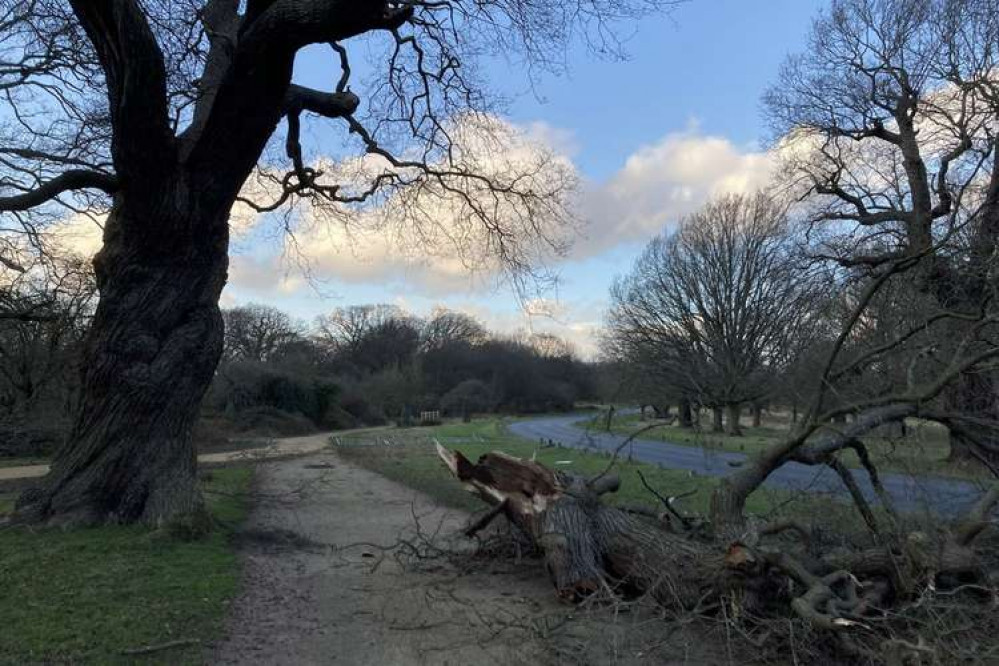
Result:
pixel 652 137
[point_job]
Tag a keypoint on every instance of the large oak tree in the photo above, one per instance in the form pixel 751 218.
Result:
pixel 157 112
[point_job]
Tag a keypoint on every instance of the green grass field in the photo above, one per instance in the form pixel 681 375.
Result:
pixel 23 462
pixel 86 596
pixel 923 450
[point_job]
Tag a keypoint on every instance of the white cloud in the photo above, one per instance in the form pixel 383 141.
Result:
pixel 430 238
pixel 79 234
pixel 265 276
pixel 444 252
pixel 577 322
pixel 662 182
pixel 558 139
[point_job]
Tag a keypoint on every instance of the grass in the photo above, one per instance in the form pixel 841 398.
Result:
pixel 407 456
pixel 24 461
pixel 922 451
pixel 84 596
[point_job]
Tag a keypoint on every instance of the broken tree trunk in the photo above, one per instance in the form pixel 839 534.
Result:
pixel 586 544
pixel 589 546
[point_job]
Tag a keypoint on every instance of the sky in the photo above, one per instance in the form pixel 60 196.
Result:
pixel 651 139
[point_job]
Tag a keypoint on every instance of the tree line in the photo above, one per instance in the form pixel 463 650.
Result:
pixel 371 364
pixel 358 365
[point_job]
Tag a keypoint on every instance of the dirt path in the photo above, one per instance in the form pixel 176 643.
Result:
pixel 305 603
pixel 286 446
pixel 317 589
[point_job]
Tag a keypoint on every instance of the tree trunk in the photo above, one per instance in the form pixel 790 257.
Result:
pixel 717 421
pixel 586 544
pixel 150 355
pixel 733 411
pixel 685 416
pixel 973 395
pixel 757 415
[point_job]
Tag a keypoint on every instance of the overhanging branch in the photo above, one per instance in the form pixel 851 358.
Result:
pixel 328 105
pixel 74 179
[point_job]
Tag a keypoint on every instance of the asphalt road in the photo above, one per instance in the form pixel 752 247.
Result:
pixel 911 494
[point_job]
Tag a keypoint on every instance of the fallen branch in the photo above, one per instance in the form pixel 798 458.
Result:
pixel 857 597
pixel 626 442
pixel 668 501
pixel 484 521
pixel 160 647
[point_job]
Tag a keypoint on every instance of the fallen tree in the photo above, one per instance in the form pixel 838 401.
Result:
pixel 847 596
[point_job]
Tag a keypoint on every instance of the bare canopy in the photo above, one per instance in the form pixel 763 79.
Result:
pixel 157 113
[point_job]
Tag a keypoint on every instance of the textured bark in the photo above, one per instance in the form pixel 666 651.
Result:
pixel 685 416
pixel 973 395
pixel 733 412
pixel 149 357
pixel 586 544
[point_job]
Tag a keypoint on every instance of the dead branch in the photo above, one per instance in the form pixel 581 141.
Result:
pixel 160 647
pixel 486 518
pixel 668 501
pixel 978 518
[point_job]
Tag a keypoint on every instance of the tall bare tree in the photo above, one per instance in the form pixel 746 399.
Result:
pixel 713 305
pixel 157 112
pixel 890 123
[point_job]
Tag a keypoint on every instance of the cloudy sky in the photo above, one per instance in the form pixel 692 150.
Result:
pixel 650 138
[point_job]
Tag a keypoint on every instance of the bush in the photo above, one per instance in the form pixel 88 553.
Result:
pixel 469 397
pixel 244 388
pixel 270 421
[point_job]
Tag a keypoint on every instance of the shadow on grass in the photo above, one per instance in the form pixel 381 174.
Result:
pixel 95 596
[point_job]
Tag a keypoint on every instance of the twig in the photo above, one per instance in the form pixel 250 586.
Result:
pixel 667 501
pixel 625 443
pixel 159 647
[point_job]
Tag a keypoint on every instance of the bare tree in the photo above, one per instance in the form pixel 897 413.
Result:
pixel 447 327
pixel 368 338
pixel 158 112
pixel 255 332
pixel 890 117
pixel 890 124
pixel 47 310
pixel 714 304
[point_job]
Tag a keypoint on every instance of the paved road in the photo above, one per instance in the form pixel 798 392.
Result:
pixel 910 494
